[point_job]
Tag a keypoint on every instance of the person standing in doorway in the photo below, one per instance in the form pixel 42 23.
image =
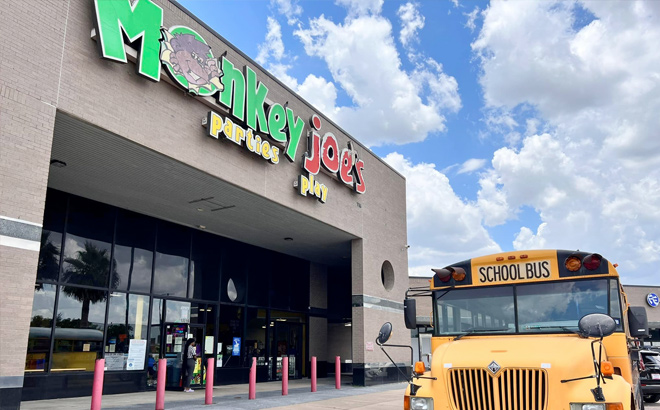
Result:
pixel 189 365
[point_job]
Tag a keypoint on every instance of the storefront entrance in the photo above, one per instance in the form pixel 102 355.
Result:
pixel 174 346
pixel 288 342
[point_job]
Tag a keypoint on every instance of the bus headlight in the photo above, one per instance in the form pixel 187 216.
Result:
pixel 587 406
pixel 421 403
pixel 596 406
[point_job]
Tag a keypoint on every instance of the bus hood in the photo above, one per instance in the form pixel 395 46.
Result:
pixel 562 355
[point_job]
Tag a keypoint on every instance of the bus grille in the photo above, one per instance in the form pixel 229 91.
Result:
pixel 512 389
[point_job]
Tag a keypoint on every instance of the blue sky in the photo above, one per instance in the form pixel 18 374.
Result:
pixel 518 125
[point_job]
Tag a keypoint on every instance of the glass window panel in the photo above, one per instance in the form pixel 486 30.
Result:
pixel 255 336
pixel 79 328
pixel 299 280
pixel 177 312
pixel 40 328
pixel 234 266
pixel 464 306
pixel 258 286
pixel 280 281
pixel 171 271
pixel 87 245
pixel 231 326
pixel 211 315
pixel 205 266
pixel 133 256
pixel 154 341
pixel 615 307
pixel 551 307
pixel 51 235
pixel 127 319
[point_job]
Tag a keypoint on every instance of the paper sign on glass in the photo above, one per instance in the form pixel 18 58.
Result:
pixel 208 344
pixel 136 351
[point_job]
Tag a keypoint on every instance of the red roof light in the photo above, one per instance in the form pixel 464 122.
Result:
pixel 592 261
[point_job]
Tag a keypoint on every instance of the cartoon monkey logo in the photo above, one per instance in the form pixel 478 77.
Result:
pixel 189 61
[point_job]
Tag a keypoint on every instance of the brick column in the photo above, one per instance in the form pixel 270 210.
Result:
pixel 29 81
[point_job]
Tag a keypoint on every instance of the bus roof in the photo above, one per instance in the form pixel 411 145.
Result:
pixel 522 267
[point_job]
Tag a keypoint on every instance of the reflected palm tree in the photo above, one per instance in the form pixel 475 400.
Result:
pixel 49 258
pixel 90 267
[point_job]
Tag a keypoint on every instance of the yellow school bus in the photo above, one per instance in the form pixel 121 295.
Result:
pixel 527 330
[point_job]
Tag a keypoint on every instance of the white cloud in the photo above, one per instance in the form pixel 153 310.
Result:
pixel 471 165
pixel 320 93
pixel 472 18
pixel 358 8
pixel 442 228
pixel 290 9
pixel 389 104
pixel 273 46
pixel 411 22
pixel 593 176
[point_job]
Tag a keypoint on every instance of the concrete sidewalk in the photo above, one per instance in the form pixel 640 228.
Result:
pixel 269 395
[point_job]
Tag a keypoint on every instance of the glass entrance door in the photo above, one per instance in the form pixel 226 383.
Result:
pixel 199 375
pixel 288 342
pixel 174 343
pixel 174 347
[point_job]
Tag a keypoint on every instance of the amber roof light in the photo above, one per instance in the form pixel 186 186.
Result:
pixel 573 263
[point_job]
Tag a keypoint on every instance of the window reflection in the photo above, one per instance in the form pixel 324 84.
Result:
pixel 544 306
pixel 205 267
pixel 177 312
pixel 79 328
pixel 87 244
pixel 154 341
pixel 51 236
pixel 40 328
pixel 464 310
pixel 171 272
pixel 134 252
pixel 127 319
pixel 234 271
pixel 89 267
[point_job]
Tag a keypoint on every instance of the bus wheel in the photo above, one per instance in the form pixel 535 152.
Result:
pixel 652 398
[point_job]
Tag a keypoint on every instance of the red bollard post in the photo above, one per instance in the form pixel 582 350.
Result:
pixel 209 380
pixel 337 373
pixel 252 392
pixel 313 374
pixel 160 384
pixel 97 387
pixel 285 376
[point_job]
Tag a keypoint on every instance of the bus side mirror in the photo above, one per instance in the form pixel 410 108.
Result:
pixel 596 325
pixel 638 322
pixel 384 333
pixel 410 313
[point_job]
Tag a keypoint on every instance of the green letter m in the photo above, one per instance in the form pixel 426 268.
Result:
pixel 143 19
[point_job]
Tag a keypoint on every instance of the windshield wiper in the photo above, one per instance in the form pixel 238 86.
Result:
pixel 553 327
pixel 473 331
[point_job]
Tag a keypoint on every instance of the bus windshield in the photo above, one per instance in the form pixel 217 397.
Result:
pixel 548 307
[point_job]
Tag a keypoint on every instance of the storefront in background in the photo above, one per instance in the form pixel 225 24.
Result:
pixel 130 288
pixel 160 185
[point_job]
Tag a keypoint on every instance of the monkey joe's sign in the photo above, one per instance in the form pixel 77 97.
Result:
pixel 190 63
